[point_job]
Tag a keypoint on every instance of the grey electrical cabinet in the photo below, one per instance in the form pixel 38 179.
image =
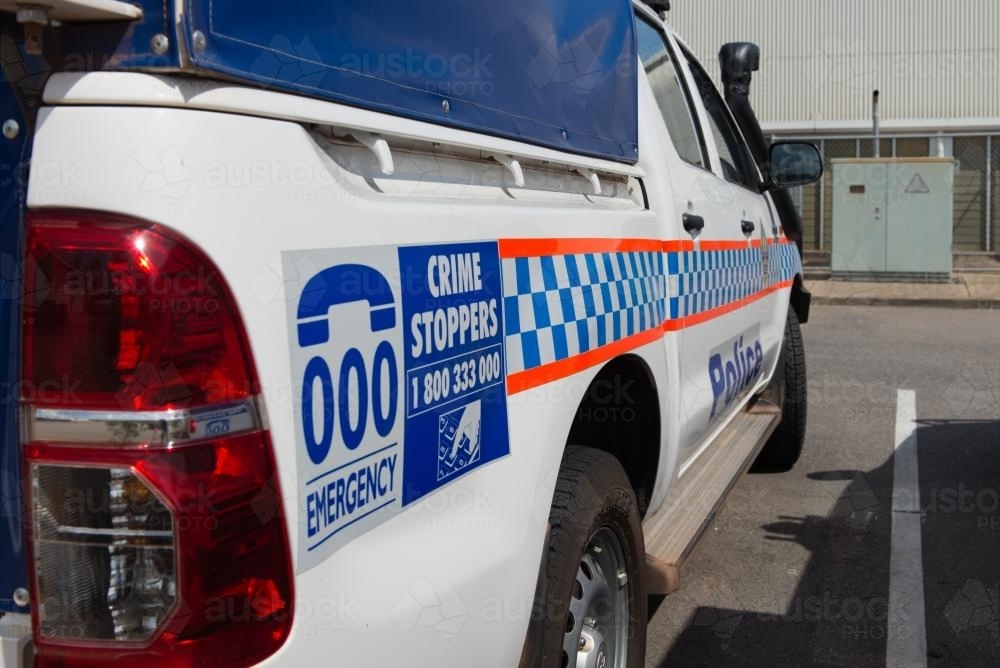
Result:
pixel 892 216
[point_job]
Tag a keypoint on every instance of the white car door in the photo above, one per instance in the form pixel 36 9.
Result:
pixel 695 243
pixel 758 286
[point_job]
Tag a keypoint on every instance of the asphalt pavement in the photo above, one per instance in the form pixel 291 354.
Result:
pixel 795 571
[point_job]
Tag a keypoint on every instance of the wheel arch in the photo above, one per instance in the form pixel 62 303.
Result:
pixel 620 414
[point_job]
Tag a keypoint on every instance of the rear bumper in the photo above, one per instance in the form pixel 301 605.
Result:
pixel 16 648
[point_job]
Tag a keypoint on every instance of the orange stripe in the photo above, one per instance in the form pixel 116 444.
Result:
pixel 721 245
pixel 510 248
pixel 678 246
pixel 705 316
pixel 525 380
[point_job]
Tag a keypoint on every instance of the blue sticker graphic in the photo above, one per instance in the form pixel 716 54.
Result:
pixel 344 328
pixel 455 386
pixel 398 359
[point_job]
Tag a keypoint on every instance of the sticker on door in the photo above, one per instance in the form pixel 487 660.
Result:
pixel 398 357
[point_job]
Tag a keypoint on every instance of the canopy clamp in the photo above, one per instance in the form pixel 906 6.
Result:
pixel 591 175
pixel 512 165
pixel 378 146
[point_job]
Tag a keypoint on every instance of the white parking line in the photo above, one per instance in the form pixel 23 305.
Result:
pixel 906 645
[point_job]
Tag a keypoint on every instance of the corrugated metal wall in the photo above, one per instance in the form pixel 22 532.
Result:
pixel 931 59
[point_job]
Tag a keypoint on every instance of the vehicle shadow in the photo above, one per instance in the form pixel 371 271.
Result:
pixel 838 612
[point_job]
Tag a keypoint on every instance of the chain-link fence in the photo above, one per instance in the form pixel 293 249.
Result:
pixel 976 221
pixel 808 199
pixel 913 147
pixel 866 148
pixel 834 149
pixel 971 173
pixel 993 146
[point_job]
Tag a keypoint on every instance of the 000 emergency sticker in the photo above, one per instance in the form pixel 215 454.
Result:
pixel 399 357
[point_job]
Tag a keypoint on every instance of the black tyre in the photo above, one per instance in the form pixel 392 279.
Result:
pixel 595 603
pixel 785 445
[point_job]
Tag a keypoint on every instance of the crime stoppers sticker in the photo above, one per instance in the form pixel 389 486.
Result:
pixel 399 353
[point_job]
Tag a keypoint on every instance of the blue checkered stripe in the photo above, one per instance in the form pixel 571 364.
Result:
pixel 556 307
pixel 710 279
pixel 704 280
pixel 784 262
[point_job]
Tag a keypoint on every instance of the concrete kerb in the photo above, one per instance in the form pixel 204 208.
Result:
pixel 967 291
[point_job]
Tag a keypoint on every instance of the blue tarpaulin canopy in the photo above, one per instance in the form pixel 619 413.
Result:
pixel 554 72
pixel 558 73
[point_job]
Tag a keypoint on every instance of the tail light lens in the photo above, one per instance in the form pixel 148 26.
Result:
pixel 156 523
pixel 126 315
pixel 123 554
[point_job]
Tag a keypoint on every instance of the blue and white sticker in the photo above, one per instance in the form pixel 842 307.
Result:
pixel 734 369
pixel 399 362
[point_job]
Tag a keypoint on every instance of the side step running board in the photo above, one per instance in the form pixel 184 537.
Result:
pixel 673 530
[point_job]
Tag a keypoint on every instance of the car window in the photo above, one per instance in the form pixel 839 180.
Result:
pixel 671 97
pixel 737 166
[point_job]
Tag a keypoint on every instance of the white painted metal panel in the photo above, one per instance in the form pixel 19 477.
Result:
pixel 78 10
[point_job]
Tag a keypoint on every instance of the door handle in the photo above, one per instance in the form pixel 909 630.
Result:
pixel 693 224
pixel 747 226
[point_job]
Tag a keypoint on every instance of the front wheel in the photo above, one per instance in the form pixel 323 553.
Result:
pixel 785 445
pixel 595 603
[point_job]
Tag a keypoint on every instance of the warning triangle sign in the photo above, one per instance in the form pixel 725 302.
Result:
pixel 917 185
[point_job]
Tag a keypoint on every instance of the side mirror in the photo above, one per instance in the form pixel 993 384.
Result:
pixel 794 164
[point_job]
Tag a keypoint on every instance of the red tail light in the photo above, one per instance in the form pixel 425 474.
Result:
pixel 156 527
pixel 126 315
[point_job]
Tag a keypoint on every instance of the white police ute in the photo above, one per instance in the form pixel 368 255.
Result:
pixel 377 333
